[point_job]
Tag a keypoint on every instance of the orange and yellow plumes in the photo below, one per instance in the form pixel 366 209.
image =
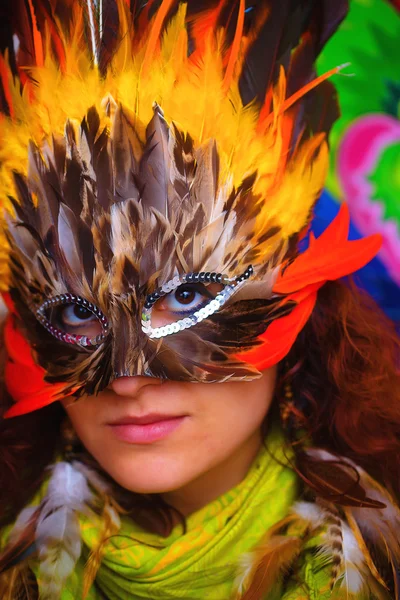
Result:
pixel 198 92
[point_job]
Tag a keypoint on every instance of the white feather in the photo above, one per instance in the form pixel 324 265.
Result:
pixel 93 32
pixel 310 512
pixel 94 479
pixel 58 538
pixel 354 575
pixel 244 573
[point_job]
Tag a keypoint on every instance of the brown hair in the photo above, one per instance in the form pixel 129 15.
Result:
pixel 344 374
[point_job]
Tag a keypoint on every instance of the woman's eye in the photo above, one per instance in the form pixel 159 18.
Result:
pixel 185 300
pixel 75 315
pixel 76 319
pixel 73 319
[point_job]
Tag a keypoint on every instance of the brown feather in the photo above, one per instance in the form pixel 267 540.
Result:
pixel 154 166
pixel 19 583
pixel 339 479
pixel 126 153
pixel 270 561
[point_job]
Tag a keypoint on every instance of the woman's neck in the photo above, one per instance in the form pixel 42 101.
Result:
pixel 216 481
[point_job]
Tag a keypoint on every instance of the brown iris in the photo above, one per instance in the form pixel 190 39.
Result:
pixel 185 295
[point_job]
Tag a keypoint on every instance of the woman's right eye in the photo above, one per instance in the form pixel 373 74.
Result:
pixel 75 315
pixel 75 319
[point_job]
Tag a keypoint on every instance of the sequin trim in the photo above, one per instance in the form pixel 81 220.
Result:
pixel 70 338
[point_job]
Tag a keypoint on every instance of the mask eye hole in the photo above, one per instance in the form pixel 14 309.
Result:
pixel 186 300
pixel 73 320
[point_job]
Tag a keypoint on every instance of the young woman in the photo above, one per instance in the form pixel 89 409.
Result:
pixel 194 406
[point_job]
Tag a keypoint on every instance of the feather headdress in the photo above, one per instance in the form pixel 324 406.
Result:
pixel 161 166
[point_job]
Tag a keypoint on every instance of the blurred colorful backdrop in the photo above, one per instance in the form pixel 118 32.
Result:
pixel 365 141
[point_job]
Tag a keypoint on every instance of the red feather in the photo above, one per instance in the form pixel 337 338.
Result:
pixel 327 258
pixel 24 378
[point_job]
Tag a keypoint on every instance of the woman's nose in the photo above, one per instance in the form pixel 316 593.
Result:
pixel 129 386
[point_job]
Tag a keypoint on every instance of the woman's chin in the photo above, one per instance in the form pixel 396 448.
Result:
pixel 148 475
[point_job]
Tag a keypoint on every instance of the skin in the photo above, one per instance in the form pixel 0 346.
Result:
pixel 209 453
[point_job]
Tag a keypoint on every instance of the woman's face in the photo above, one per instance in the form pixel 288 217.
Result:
pixel 155 437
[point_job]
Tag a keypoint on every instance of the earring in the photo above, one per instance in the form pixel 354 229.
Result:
pixel 292 418
pixel 287 404
pixel 70 441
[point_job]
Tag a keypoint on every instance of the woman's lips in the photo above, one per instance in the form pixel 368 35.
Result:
pixel 146 429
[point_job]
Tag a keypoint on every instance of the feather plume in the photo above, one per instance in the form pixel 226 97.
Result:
pixel 22 539
pixel 351 575
pixel 333 545
pixel 373 516
pixel 363 546
pixel 94 29
pixel 58 539
pixel 376 514
pixel 260 570
pixel 354 579
pixel 380 528
pixel 235 49
pixel 340 479
pixel 52 530
pixel 18 583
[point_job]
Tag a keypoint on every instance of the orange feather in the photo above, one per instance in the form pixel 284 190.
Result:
pixel 266 119
pixel 37 38
pixel 155 32
pixel 235 48
pixel 329 257
pixel 24 378
pixel 4 76
pixel 201 26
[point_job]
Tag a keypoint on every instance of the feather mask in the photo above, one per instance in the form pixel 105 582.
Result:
pixel 161 166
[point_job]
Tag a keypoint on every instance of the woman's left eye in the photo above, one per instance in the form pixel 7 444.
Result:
pixel 185 299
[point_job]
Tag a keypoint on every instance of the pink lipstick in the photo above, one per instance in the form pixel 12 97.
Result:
pixel 146 429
